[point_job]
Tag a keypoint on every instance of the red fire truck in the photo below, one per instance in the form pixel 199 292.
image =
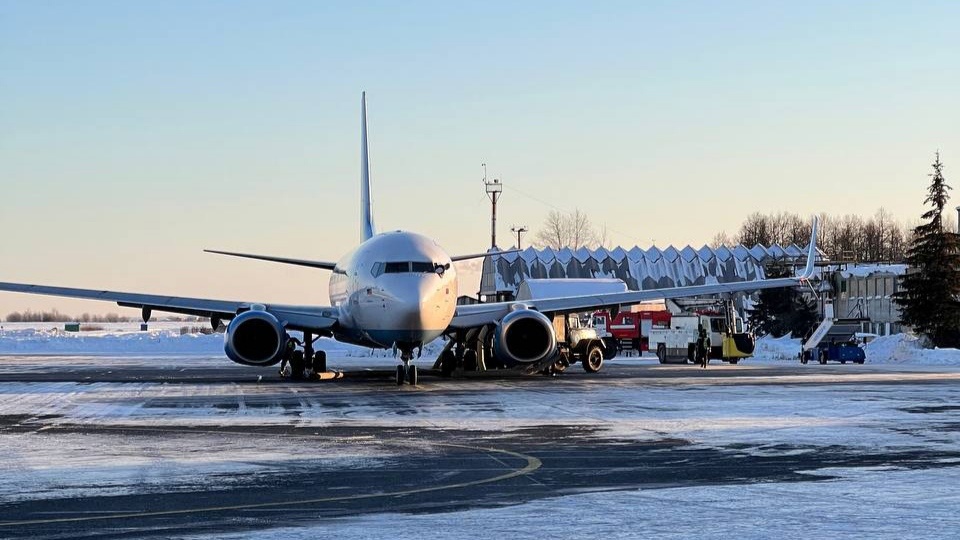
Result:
pixel 630 330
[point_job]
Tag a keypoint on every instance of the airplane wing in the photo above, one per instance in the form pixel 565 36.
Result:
pixel 308 318
pixel 323 265
pixel 458 258
pixel 469 316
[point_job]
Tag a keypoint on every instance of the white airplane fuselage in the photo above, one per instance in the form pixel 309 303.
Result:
pixel 389 291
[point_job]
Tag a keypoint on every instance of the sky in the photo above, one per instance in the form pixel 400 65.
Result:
pixel 135 134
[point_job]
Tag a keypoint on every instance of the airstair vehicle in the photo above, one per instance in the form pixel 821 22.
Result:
pixel 833 339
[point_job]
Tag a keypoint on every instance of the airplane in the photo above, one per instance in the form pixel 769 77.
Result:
pixel 398 290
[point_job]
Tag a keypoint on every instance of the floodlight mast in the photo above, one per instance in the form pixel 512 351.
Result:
pixel 494 190
pixel 519 230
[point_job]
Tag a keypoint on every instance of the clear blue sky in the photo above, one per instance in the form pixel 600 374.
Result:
pixel 133 134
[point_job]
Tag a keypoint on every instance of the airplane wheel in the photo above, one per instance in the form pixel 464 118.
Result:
pixel 560 365
pixel 319 362
pixel 412 375
pixel 470 360
pixel 448 362
pixel 401 375
pixel 297 365
pixel 593 360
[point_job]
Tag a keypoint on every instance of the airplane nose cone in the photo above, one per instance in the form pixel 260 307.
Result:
pixel 414 307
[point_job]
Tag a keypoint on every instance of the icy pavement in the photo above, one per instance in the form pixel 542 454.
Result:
pixel 863 503
pixel 639 450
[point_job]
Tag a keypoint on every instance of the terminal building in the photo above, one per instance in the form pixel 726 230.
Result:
pixel 640 269
pixel 861 292
pixel 865 292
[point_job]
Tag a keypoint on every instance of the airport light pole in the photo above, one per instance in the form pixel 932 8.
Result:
pixel 494 190
pixel 519 230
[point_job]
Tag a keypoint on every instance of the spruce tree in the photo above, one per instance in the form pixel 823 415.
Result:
pixel 929 292
pixel 784 310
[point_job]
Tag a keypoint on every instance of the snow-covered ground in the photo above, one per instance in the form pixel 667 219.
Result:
pixel 165 339
pixel 125 339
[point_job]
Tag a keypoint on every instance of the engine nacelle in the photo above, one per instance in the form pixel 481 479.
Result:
pixel 255 338
pixel 524 336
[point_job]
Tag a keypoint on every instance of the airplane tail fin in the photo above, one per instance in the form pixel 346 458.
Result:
pixel 366 212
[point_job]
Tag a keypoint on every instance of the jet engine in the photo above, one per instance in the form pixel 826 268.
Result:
pixel 524 336
pixel 255 338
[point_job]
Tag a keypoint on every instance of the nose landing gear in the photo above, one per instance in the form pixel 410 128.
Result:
pixel 407 372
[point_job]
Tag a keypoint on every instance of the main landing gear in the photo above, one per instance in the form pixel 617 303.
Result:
pixel 300 364
pixel 407 371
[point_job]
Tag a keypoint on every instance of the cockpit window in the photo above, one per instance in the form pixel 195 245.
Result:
pixel 403 268
pixel 397 267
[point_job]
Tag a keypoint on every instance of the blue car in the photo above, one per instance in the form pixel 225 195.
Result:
pixel 843 352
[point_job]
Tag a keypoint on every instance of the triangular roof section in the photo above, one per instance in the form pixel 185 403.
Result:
pixel 723 253
pixel 741 253
pixel 529 255
pixel 776 251
pixel 547 254
pixel 582 254
pixel 759 252
pixel 794 251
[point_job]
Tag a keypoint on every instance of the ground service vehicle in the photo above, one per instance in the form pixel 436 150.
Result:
pixel 843 352
pixel 574 340
pixel 729 341
pixel 629 330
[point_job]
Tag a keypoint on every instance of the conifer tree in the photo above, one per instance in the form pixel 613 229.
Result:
pixel 929 292
pixel 784 310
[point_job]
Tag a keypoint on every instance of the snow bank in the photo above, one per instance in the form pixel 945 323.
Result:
pixel 867 270
pixel 906 349
pixel 167 341
pixel 771 348
pixel 155 342
pixel 896 349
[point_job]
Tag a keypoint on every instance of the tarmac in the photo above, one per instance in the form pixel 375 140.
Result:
pixel 107 447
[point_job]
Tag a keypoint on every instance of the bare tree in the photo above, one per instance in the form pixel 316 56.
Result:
pixel 849 237
pixel 571 229
pixel 755 230
pixel 720 239
pixel 554 231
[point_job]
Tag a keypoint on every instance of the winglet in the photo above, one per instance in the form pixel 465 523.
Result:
pixel 366 213
pixel 811 251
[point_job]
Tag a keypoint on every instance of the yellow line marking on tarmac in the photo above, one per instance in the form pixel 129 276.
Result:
pixel 532 465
